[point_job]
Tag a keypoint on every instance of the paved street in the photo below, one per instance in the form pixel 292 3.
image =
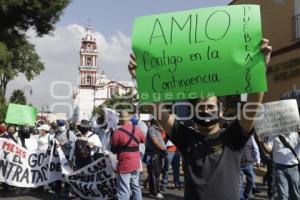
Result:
pixel 169 194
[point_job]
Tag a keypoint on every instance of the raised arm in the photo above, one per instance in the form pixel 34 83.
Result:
pixel 165 119
pixel 254 99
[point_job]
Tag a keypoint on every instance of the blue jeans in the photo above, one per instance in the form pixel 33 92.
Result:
pixel 287 182
pixel 246 169
pixel 173 159
pixel 129 184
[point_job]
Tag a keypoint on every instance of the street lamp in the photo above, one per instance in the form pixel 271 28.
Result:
pixel 26 88
pixel 43 108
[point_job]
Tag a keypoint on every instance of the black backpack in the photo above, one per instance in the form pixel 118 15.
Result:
pixel 82 149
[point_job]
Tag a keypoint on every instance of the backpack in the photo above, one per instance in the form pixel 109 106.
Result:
pixel 126 147
pixel 82 147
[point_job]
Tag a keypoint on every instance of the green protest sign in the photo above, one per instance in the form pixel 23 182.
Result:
pixel 20 114
pixel 202 52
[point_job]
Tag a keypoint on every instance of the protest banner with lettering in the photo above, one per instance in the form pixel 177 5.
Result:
pixel 201 52
pixel 95 181
pixel 22 168
pixel 21 114
pixel 32 142
pixel 277 118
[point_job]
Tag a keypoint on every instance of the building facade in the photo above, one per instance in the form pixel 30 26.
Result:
pixel 281 25
pixel 93 88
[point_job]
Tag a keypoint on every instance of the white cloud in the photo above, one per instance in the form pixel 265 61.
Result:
pixel 59 52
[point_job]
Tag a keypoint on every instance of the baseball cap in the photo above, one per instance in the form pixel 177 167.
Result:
pixel 60 122
pixel 44 127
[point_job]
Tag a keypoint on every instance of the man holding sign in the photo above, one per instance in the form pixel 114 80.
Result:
pixel 211 155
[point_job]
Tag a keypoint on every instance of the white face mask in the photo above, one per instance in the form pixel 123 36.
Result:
pixel 61 128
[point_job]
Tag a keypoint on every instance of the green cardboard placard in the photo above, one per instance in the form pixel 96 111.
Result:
pixel 21 114
pixel 198 53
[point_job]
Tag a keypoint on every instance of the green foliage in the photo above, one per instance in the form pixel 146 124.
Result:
pixel 97 110
pixel 120 102
pixel 17 55
pixel 18 97
pixel 21 58
pixel 20 15
pixel 117 102
pixel 3 108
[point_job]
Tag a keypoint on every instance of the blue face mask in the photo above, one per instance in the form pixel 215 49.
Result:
pixel 134 120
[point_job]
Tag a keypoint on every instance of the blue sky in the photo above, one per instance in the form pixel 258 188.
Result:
pixel 112 21
pixel 108 16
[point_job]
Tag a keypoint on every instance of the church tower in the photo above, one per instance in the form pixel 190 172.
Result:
pixel 88 60
pixel 92 90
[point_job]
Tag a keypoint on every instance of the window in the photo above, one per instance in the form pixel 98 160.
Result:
pixel 89 61
pixel 88 79
pixel 297 27
pixel 297 19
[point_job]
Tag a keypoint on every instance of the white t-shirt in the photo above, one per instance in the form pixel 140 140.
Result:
pixel 93 138
pixel 282 155
pixel 43 141
pixel 104 136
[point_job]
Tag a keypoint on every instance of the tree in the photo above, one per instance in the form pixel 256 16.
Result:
pixel 120 102
pixel 3 108
pixel 17 55
pixel 117 102
pixel 18 97
pixel 21 58
pixel 17 16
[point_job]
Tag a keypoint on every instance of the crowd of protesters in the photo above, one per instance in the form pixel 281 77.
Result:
pixel 134 142
pixel 143 144
pixel 214 159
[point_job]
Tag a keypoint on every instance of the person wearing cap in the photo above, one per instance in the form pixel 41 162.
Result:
pixel 43 142
pixel 44 137
pixel 125 143
pixel 65 139
pixel 87 147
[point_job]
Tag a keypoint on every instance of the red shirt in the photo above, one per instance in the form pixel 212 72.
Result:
pixel 127 161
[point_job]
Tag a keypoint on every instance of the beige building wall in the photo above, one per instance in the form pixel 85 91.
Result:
pixel 278 24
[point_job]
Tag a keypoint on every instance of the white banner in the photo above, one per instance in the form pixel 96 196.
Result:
pixel 22 168
pixel 277 118
pixel 95 181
